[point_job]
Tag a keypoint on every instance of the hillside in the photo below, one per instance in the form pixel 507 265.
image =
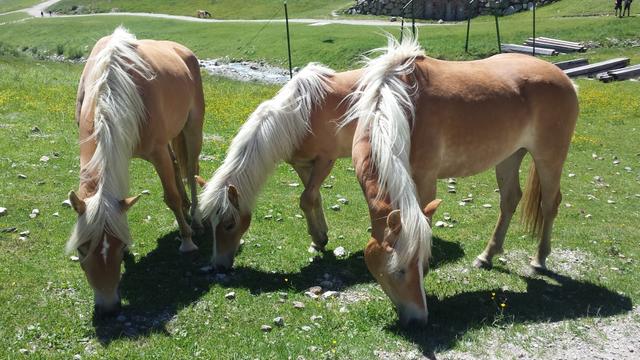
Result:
pixel 220 9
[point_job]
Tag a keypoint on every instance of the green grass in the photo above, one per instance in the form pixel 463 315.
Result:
pixel 11 5
pixel 220 9
pixel 176 312
pixel 336 45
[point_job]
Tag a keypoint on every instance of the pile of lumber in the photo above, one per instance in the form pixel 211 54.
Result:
pixel 610 70
pixel 555 44
pixel 544 46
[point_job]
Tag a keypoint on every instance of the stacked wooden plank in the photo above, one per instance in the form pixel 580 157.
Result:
pixel 570 64
pixel 626 73
pixel 598 67
pixel 555 44
pixel 522 49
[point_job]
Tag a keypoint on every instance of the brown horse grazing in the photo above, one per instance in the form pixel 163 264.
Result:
pixel 299 125
pixel 138 98
pixel 422 119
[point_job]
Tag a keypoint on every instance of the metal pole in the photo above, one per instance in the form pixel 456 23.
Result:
pixel 534 27
pixel 498 32
pixel 413 21
pixel 401 29
pixel 286 17
pixel 466 43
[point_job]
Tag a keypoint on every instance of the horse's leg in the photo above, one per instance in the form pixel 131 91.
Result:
pixel 311 201
pixel 162 161
pixel 507 175
pixel 549 173
pixel 193 138
pixel 177 170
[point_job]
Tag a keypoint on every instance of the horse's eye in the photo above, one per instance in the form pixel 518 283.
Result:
pixel 400 273
pixel 229 226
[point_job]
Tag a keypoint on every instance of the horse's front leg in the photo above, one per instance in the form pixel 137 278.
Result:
pixel 312 175
pixel 162 161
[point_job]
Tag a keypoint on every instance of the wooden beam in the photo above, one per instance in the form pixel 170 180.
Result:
pixel 558 47
pixel 626 73
pixel 527 49
pixel 570 64
pixel 598 67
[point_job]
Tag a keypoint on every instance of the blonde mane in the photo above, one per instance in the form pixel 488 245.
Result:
pixel 118 113
pixel 271 134
pixel 383 106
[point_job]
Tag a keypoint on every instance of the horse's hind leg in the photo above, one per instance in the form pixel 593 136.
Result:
pixel 162 161
pixel 192 133
pixel 311 200
pixel 549 173
pixel 507 175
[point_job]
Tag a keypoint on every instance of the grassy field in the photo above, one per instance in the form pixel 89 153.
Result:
pixel 336 45
pixel 219 9
pixel 11 5
pixel 173 311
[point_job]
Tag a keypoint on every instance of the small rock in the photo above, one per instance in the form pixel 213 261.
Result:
pixel 446 216
pixel 66 203
pixel 315 290
pixel 279 321
pixel 268 217
pixel 335 207
pixel 616 162
pixel 298 305
pixel 627 168
pixel 467 199
pixel 44 158
pixel 35 129
pixel 339 251
pixel 306 328
pixel 486 206
pixel 230 295
pixel 283 295
pixel 451 181
pixel 24 351
pixel 294 184
pixel 25 233
pixel 343 201
pixel 77 357
pixel 3 211
pixel 316 317
pixel 8 229
pixel 56 214
pixel 327 186
pixel 588 216
pixel 343 310
pixel 22 238
pixel 502 260
pixel 611 201
pixel 568 205
pixel 462 203
pixel 22 176
pixel 145 192
pixel 298 216
pixel 571 175
pixel 74 258
pixel 310 294
pixel 330 294
pixel 440 224
pixel 266 328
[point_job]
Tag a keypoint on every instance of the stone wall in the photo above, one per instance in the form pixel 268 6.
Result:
pixel 448 10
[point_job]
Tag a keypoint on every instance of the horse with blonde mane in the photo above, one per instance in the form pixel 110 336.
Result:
pixel 139 98
pixel 420 119
pixel 300 125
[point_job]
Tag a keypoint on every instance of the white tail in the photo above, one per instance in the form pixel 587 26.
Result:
pixel 271 134
pixel 118 113
pixel 384 109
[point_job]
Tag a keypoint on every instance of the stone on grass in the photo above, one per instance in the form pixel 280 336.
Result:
pixel 339 251
pixel 440 224
pixel 486 206
pixel 298 216
pixel 3 211
pixel 279 321
pixel 230 295
pixel 44 158
pixel 343 201
pixel 611 201
pixel 265 328
pixel 56 214
pixel 22 176
pixel 317 290
pixel 145 192
pixel 335 207
pixel 34 213
pixel 25 233
pixel 306 328
pixel 330 294
pixel 298 305
pixel 66 203
pixel 502 260
pixel 294 184
pixel 572 175
pixel 74 258
pixel 343 310
pixel 311 295
pixel 316 317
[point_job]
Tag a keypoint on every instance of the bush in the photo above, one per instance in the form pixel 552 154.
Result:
pixel 59 49
pixel 73 53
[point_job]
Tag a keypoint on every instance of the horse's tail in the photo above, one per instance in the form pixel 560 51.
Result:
pixel 531 215
pixel 384 109
pixel 118 112
pixel 272 132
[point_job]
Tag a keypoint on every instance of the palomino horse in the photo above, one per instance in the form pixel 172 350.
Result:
pixel 421 119
pixel 299 125
pixel 138 98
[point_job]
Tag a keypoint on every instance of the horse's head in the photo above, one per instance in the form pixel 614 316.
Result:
pixel 100 251
pixel 228 225
pixel 403 285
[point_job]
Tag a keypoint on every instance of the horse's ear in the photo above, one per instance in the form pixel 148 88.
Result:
pixel 394 223
pixel 127 203
pixel 78 205
pixel 200 181
pixel 431 208
pixel 232 193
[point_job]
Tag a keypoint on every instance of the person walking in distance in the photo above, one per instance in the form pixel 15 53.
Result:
pixel 627 8
pixel 618 8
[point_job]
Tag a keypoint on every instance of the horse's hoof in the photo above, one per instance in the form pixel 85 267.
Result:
pixel 482 264
pixel 188 246
pixel 318 248
pixel 538 269
pixel 320 242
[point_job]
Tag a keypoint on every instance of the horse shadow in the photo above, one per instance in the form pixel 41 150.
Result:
pixel 157 286
pixel 550 297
